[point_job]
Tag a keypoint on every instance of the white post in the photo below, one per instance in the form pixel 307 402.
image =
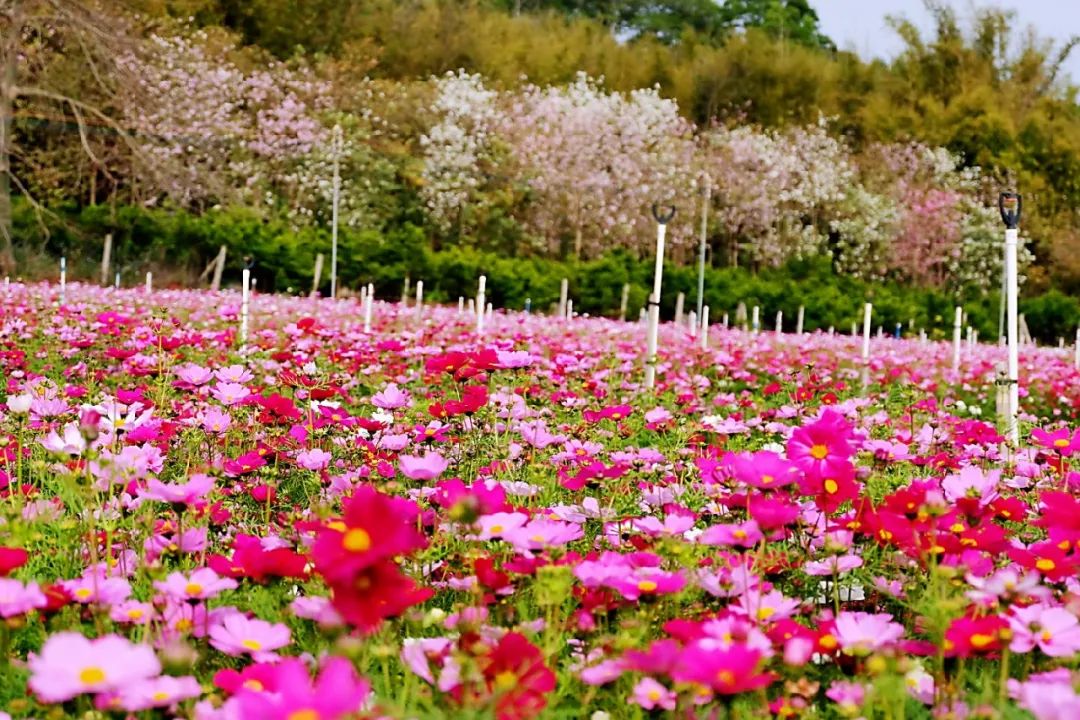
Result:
pixel 654 303
pixel 470 307
pixel 481 304
pixel 691 323
pixel 564 290
pixel 569 309
pixel 922 336
pixel 149 282
pixel 832 330
pixel 799 320
pixel 106 258
pixel 705 327
pixel 419 300
pixel 724 321
pixel 957 322
pixel 680 301
pixel 369 306
pixel 460 305
pixel 245 301
pixel 1011 237
pixel 116 281
pixel 854 328
pixel 779 322
pixel 336 150
pixel 755 322
pixel 63 280
pixel 868 310
pixel 624 301
pixel 1076 351
pixel 490 312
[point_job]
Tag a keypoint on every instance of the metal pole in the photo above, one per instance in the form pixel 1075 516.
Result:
pixel 245 300
pixel 336 149
pixel 63 280
pixel 701 247
pixel 705 328
pixel 957 322
pixel 481 304
pixel 1011 237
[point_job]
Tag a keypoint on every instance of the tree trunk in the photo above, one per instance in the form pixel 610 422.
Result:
pixel 7 111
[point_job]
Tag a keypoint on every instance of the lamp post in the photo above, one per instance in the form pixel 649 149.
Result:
pixel 335 149
pixel 707 198
pixel 662 215
pixel 1010 205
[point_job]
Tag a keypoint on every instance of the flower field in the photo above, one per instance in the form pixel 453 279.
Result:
pixel 419 522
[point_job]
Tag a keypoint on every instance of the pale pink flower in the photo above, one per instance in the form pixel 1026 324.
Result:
pixel 237 634
pixel 202 584
pixel 70 665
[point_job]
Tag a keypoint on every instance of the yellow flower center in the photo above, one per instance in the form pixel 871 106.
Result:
pixel 183 624
pixel 766 612
pixel 957 528
pixel 740 534
pixel 92 676
pixel 819 451
pixel 981 640
pixel 505 680
pixel 646 586
pixel 653 695
pixel 1045 564
pixel 767 479
pixel 831 486
pixel 160 696
pixel 83 593
pixel 337 525
pixel 1046 636
pixel 828 641
pixel 305 714
pixel 135 613
pixel 252 645
pixel 1061 443
pixel 496 529
pixel 193 589
pixel 726 677
pixel 254 685
pixel 357 540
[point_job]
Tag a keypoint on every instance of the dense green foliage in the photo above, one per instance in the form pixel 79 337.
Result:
pixel 180 243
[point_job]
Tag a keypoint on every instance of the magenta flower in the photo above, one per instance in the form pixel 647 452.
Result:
pixel 70 665
pixel 1061 441
pixel 229 393
pixel 848 695
pixel 202 584
pixel 428 467
pixel 18 599
pixel 314 459
pixel 647 582
pixel 96 588
pixel 834 565
pixel 541 533
pixel 237 634
pixel 336 693
pixel 746 534
pixel 1054 630
pixel 193 375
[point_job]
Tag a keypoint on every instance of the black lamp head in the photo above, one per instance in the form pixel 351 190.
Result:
pixel 663 213
pixel 1011 205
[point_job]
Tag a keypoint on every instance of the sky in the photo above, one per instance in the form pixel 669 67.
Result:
pixel 859 25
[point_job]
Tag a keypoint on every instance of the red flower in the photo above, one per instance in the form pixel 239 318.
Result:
pixel 11 559
pixel 832 485
pixel 968 636
pixel 375 527
pixel 375 593
pixel 517 677
pixel 250 560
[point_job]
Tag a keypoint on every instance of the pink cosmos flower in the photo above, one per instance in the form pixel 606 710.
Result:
pixel 834 565
pixel 96 588
pixel 229 393
pixel 848 695
pixel 314 459
pixel 18 599
pixel 215 420
pixel 766 607
pixel 1061 441
pixel 234 374
pixel 745 534
pixel 202 584
pixel 647 582
pixel 317 608
pixel 972 482
pixel 860 633
pixel 823 446
pixel 158 692
pixel 237 634
pixel 497 525
pixel 391 398
pixel 70 665
pixel 428 467
pixel 194 375
pixel 1054 630
pixel 72 442
pixel 188 493
pixel 132 612
pixel 541 533
pixel 650 694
